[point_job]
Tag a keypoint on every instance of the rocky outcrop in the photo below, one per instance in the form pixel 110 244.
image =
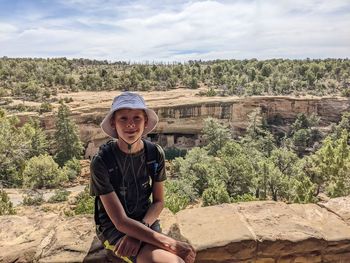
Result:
pixel 259 232
pixel 181 124
pixel 181 114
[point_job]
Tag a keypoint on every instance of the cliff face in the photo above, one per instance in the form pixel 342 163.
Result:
pixel 181 124
pixel 181 115
pixel 188 118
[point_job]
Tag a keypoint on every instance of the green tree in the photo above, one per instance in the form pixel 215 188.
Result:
pixel 329 167
pixel 68 144
pixel 42 171
pixel 14 149
pixel 194 170
pixel 38 141
pixel 177 195
pixel 216 193
pixel 6 206
pixel 240 172
pixel 302 189
pixel 256 124
pixel 72 168
pixel 339 184
pixel 216 134
pixel 45 107
pixel 84 202
pixel 276 182
pixel 266 70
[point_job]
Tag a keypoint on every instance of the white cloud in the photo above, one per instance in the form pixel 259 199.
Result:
pixel 6 31
pixel 189 30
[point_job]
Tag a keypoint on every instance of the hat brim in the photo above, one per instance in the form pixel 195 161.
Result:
pixel 110 131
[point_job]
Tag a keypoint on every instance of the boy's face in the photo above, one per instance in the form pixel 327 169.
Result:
pixel 129 124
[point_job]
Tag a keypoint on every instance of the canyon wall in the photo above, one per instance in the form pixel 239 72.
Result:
pixel 181 125
pixel 181 122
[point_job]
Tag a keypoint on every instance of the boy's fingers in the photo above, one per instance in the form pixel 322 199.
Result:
pixel 119 247
pixel 116 246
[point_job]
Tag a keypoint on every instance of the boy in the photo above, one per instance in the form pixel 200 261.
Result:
pixel 126 221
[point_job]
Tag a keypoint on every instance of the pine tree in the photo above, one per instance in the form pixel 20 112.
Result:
pixel 68 144
pixel 36 135
pixel 216 134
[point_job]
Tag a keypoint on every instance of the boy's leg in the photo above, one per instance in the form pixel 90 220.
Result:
pixel 152 254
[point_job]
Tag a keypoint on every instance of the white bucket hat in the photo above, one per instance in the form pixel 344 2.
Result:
pixel 129 100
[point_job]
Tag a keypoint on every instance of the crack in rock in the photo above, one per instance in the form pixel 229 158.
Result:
pixel 47 241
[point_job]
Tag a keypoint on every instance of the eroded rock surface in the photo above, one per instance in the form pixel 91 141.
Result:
pixel 261 232
pixel 181 113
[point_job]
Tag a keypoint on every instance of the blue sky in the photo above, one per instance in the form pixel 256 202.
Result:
pixel 177 30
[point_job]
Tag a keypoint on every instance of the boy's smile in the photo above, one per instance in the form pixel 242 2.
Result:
pixel 130 124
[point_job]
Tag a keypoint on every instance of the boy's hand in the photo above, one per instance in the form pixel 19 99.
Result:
pixel 127 246
pixel 184 251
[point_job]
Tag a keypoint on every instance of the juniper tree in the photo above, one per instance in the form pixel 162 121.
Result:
pixel 68 144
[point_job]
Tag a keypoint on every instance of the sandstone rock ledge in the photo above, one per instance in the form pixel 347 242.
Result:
pixel 261 232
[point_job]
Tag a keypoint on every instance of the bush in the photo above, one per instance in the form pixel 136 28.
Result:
pixel 72 169
pixel 176 195
pixel 33 198
pixel 45 107
pixel 6 206
pixel 68 100
pixel 85 203
pixel 345 92
pixel 3 92
pixel 215 194
pixel 42 171
pixel 211 93
pixel 172 152
pixel 60 195
pixel 244 198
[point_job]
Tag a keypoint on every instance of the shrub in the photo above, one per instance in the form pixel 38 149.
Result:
pixel 68 100
pixel 42 171
pixel 84 203
pixel 215 194
pixel 33 198
pixel 6 206
pixel 345 92
pixel 3 92
pixel 60 195
pixel 211 93
pixel 72 169
pixel 172 152
pixel 45 107
pixel 244 198
pixel 176 196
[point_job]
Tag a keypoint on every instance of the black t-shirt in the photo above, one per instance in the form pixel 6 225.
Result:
pixel 133 185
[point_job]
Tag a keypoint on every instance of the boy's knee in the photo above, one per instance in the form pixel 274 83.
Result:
pixel 149 253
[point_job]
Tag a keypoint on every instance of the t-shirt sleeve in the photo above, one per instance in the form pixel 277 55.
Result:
pixel 161 175
pixel 99 179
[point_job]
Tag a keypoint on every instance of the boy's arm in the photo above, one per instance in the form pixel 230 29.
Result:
pixel 137 230
pixel 157 205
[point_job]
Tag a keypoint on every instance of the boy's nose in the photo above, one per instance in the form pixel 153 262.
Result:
pixel 130 124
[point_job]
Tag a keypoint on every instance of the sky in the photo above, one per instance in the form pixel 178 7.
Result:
pixel 177 30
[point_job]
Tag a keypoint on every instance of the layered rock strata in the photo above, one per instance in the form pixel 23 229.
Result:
pixel 181 114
